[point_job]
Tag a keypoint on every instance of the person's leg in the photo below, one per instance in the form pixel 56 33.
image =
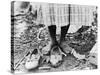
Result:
pixel 64 30
pixel 52 31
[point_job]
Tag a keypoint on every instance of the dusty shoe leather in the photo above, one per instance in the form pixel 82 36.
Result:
pixel 32 61
pixel 55 60
pixel 31 64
